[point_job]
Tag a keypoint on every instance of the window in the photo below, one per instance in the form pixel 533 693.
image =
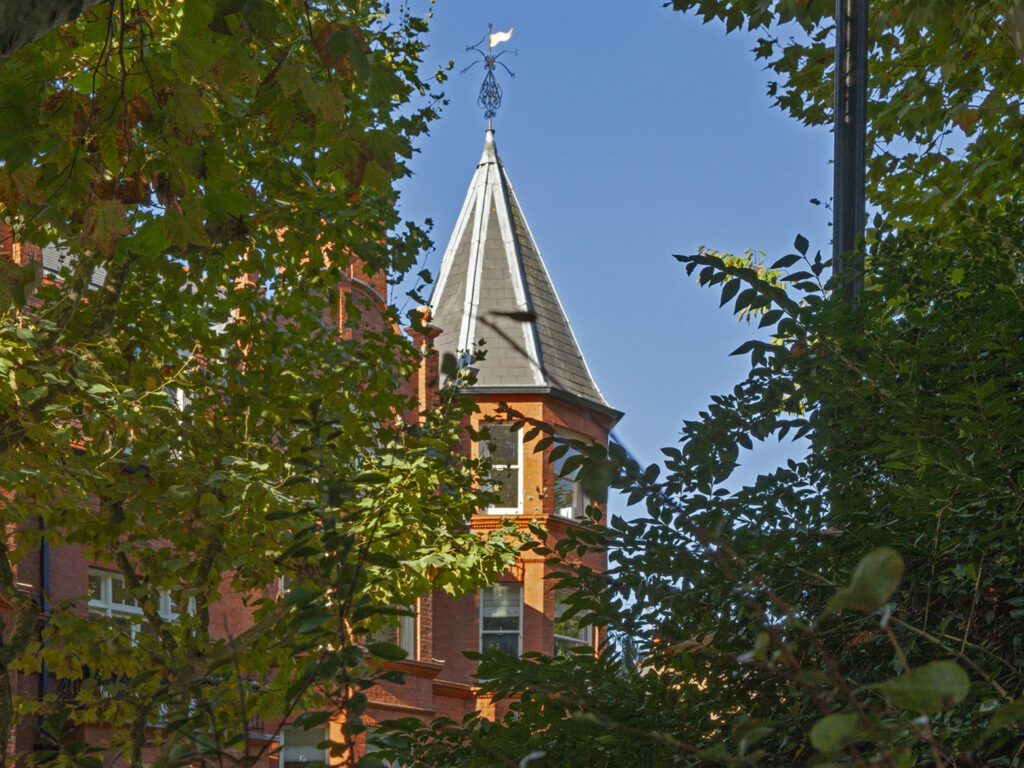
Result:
pixel 570 501
pixel 400 631
pixel 108 597
pixel 569 633
pixel 178 398
pixel 501 618
pixel 301 748
pixel 502 448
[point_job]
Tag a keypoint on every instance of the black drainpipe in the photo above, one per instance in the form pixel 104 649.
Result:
pixel 44 603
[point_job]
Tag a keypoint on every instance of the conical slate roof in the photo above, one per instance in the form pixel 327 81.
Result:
pixel 493 285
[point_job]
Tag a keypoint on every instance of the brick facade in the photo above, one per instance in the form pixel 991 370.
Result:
pixel 439 680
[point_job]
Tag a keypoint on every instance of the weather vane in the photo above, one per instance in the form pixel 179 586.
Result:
pixel 489 97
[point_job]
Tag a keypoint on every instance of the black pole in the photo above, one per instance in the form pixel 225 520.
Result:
pixel 44 605
pixel 850 142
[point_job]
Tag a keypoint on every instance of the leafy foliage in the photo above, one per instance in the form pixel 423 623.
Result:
pixel 862 605
pixel 944 91
pixel 182 406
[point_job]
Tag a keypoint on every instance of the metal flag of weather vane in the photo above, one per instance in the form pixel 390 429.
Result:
pixel 489 97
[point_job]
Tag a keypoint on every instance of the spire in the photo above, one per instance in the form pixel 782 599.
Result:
pixel 493 285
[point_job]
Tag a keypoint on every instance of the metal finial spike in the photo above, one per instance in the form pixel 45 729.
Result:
pixel 489 97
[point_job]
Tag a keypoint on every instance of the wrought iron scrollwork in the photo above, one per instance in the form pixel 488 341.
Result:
pixel 489 97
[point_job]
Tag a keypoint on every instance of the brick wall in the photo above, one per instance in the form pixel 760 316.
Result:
pixel 440 681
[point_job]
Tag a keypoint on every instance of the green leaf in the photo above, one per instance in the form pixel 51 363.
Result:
pixel 875 579
pixel 730 290
pixel 744 347
pixel 313 623
pixel 260 15
pixel 558 452
pixel 299 595
pixel 449 365
pixel 931 689
pixel 595 479
pixel 382 559
pixel 386 651
pixel 309 720
pixel 801 244
pixel 829 733
pixel 786 261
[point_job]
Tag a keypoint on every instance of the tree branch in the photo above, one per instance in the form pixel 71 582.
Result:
pixel 22 23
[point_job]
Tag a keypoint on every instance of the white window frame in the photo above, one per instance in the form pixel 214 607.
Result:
pixel 584 640
pixel 518 632
pixel 105 605
pixel 179 398
pixel 580 502
pixel 481 453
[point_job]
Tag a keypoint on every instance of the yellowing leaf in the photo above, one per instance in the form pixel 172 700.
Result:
pixel 19 187
pixel 966 120
pixel 104 223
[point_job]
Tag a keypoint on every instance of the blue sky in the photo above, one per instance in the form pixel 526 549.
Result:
pixel 630 133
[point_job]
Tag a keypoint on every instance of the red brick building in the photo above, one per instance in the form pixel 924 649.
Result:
pixel 493 286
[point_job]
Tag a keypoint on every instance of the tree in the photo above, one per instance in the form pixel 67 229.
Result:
pixel 944 92
pixel 182 404
pixel 21 25
pixel 861 606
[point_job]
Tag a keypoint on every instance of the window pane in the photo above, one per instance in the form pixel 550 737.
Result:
pixel 505 482
pixel 558 463
pixel 501 600
pixel 117 592
pixel 569 627
pixel 501 617
pixel 506 643
pixel 386 634
pixel 564 493
pixel 563 646
pixel 95 587
pixel 407 635
pixel 299 747
pixel 502 448
pixel 503 445
pixel 300 737
pixel 499 624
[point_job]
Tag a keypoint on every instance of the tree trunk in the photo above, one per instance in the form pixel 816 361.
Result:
pixel 24 22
